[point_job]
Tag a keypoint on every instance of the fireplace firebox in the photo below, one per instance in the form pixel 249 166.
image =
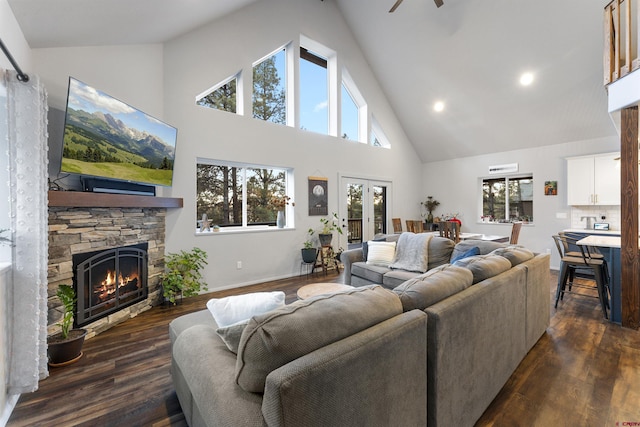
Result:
pixel 109 280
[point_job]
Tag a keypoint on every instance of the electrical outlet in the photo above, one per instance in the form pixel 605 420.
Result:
pixel 239 265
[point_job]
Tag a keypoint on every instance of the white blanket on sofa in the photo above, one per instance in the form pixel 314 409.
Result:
pixel 412 252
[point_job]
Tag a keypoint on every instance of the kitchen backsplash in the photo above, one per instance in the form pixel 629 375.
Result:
pixel 611 214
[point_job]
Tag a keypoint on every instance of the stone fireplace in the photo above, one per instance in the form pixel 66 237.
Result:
pixel 82 225
pixel 107 281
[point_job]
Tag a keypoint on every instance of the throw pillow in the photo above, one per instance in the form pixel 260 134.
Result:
pixel 471 252
pixel 231 335
pixel 274 339
pixel 380 253
pixel 229 310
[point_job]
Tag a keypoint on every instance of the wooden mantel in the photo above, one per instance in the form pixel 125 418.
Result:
pixel 80 199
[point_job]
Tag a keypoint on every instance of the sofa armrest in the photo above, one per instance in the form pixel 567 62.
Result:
pixel 349 257
pixel 203 373
pixel 376 377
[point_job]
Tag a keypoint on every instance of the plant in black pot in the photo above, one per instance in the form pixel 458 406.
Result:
pixel 65 347
pixel 183 275
pixel 328 226
pixel 309 253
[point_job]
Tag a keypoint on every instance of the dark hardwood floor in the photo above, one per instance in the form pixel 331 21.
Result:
pixel 584 371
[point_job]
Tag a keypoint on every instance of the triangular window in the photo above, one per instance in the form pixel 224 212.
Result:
pixel 221 97
pixel 269 93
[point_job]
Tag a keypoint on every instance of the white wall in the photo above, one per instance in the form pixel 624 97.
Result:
pixel 164 80
pixel 14 40
pixel 196 61
pixel 456 184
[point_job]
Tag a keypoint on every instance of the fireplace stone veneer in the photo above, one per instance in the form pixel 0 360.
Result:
pixel 79 230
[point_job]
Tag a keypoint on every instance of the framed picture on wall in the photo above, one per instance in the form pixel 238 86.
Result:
pixel 551 188
pixel 318 197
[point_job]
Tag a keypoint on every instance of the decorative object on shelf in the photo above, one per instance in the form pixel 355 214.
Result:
pixel 430 205
pixel 204 223
pixel 183 274
pixel 65 347
pixel 279 202
pixel 216 228
pixel 328 226
pixel 318 196
pixel 280 222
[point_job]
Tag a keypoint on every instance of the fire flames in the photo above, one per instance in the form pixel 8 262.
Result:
pixel 108 287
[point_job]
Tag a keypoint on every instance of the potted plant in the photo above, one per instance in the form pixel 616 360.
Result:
pixel 328 226
pixel 182 274
pixel 309 253
pixel 65 347
pixel 430 205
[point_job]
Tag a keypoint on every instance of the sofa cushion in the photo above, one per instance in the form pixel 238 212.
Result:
pixel 433 286
pixel 440 249
pixel 484 266
pixel 373 273
pixel 412 252
pixel 395 278
pixel 276 338
pixel 485 247
pixel 381 253
pixel 515 254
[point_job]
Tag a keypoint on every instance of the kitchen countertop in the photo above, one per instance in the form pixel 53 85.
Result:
pixel 592 231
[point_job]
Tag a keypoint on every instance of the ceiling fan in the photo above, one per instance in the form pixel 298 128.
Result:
pixel 397 3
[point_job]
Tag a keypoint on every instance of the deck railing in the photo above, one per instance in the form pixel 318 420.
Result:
pixel 621 50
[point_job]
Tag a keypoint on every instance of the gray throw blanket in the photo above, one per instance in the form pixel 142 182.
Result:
pixel 412 252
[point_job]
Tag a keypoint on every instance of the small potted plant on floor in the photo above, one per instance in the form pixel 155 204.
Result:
pixel 328 226
pixel 309 253
pixel 183 274
pixel 65 347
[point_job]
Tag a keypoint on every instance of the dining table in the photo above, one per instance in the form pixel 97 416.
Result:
pixel 609 246
pixel 480 236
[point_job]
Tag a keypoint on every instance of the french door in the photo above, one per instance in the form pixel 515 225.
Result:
pixel 364 209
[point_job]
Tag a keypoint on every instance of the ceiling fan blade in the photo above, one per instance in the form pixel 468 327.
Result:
pixel 395 6
pixel 439 2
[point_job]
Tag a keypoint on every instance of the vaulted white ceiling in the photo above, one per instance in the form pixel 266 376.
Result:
pixel 468 54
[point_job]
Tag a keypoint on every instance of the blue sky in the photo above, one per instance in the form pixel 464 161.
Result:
pixel 314 112
pixel 89 99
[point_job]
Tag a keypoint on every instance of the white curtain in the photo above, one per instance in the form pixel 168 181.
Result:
pixel 27 292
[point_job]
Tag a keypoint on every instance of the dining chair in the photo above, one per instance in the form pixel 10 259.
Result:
pixel 572 266
pixel 418 227
pixel 450 230
pixel 515 233
pixel 409 225
pixel 397 225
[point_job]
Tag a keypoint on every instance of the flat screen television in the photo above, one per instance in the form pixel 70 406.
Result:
pixel 105 138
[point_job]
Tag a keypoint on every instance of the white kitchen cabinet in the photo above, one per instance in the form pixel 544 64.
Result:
pixel 593 180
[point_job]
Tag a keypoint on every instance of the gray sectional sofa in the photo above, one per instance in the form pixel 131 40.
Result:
pixel 484 314
pixel 433 350
pixel 346 359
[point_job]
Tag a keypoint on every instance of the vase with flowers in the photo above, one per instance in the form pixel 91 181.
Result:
pixel 430 205
pixel 280 202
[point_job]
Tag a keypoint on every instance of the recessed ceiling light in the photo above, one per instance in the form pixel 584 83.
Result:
pixel 526 79
pixel 438 106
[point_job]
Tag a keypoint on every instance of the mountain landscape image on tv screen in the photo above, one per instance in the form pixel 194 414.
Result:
pixel 104 137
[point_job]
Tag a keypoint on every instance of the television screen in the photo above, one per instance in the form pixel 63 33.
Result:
pixel 106 138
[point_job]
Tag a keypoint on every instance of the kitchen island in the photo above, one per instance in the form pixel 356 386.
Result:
pixel 609 246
